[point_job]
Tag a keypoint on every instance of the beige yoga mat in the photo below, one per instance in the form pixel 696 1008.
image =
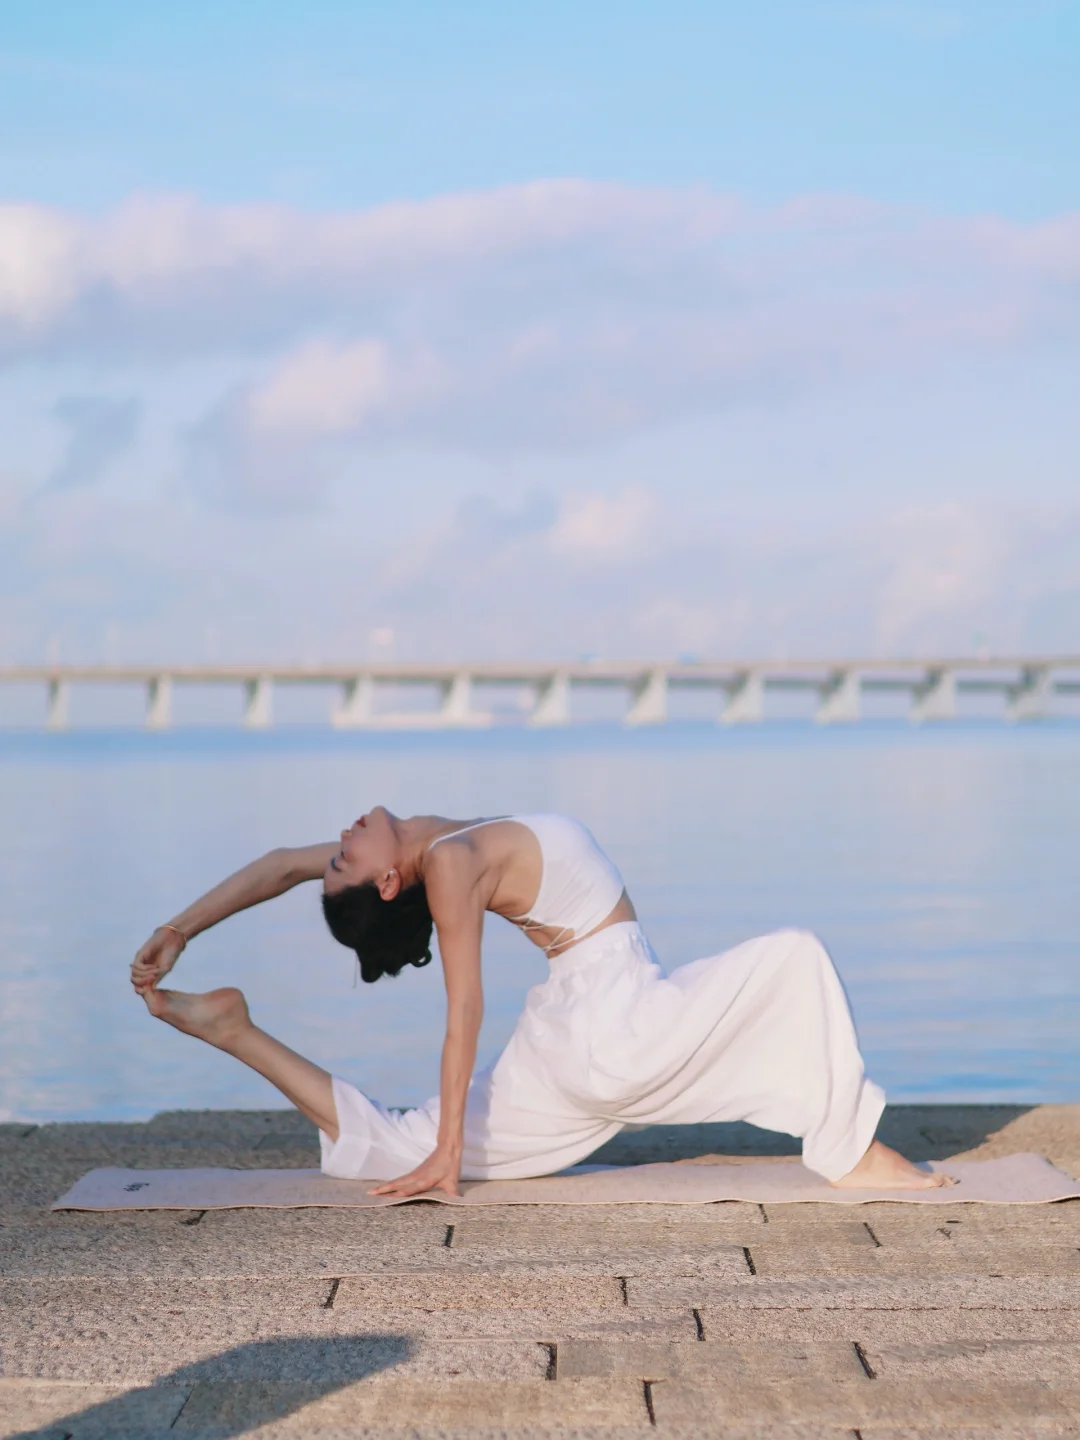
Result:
pixel 1015 1180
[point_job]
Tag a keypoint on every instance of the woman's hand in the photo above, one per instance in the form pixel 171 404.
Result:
pixel 156 958
pixel 440 1171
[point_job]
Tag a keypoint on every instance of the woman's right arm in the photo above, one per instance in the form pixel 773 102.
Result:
pixel 264 878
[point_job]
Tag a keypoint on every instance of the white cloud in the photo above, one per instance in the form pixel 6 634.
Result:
pixel 324 389
pixel 445 397
pixel 537 316
pixel 940 560
pixel 39 265
pixel 605 525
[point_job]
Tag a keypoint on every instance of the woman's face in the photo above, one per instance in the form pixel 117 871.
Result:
pixel 368 851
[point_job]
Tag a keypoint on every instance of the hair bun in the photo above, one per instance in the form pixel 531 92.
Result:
pixel 387 935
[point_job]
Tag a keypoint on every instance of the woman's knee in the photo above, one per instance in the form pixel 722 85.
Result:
pixel 807 951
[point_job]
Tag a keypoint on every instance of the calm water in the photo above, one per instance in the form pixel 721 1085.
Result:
pixel 939 865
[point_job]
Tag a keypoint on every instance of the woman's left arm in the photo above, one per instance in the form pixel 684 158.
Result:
pixel 459 918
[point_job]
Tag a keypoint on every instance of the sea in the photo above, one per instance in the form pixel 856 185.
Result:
pixel 939 864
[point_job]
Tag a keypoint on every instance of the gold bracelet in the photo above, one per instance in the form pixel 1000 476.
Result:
pixel 176 929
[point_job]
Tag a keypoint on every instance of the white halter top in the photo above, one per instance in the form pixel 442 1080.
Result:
pixel 579 886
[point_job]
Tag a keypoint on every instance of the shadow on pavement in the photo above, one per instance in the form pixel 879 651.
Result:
pixel 236 1391
pixel 921 1132
pixel 936 1132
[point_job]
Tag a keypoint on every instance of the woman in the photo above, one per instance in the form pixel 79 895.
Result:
pixel 760 1033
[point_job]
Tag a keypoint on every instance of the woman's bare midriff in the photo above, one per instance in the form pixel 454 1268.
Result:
pixel 519 865
pixel 548 938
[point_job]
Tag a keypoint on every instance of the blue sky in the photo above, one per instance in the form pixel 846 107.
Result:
pixel 958 104
pixel 549 329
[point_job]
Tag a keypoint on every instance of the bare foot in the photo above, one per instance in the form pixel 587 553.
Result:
pixel 883 1169
pixel 216 1017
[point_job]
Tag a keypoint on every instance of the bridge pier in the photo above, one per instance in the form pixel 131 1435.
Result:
pixel 159 703
pixel 258 703
pixel 57 711
pixel 841 699
pixel 650 705
pixel 357 708
pixel 552 701
pixel 746 700
pixel 1030 699
pixel 935 697
pixel 457 711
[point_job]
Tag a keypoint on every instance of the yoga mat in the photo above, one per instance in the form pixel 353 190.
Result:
pixel 1014 1180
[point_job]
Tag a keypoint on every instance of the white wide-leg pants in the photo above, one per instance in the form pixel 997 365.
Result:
pixel 762 1033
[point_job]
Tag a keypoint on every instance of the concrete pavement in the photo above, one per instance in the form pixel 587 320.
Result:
pixel 881 1321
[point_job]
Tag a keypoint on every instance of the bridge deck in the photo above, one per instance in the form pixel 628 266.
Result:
pixel 1029 687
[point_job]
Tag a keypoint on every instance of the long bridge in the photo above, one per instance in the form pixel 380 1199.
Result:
pixel 1027 688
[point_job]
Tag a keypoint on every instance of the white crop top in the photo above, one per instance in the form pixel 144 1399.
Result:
pixel 579 886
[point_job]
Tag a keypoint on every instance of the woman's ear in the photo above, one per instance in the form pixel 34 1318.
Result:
pixel 390 885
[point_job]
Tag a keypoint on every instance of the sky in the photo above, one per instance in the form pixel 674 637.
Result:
pixel 339 331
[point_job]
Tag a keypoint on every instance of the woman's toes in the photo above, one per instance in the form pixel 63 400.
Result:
pixel 157 1002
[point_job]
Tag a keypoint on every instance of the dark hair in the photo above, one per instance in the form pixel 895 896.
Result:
pixel 387 935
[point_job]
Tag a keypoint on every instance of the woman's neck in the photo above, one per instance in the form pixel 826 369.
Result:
pixel 418 834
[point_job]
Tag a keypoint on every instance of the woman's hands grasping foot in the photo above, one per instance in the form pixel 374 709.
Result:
pixel 156 958
pixel 884 1169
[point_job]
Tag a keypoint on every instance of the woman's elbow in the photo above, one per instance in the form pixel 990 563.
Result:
pixel 282 867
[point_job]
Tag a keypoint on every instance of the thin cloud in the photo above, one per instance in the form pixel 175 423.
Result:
pixel 323 394
pixel 99 430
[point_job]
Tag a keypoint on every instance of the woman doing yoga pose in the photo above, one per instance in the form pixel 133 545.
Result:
pixel 760 1033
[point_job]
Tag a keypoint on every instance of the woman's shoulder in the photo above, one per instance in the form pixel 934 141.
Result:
pixel 543 824
pixel 552 820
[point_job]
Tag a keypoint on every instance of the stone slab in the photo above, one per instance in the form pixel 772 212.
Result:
pixel 972 1292
pixel 794 1259
pixel 144 1347
pixel 857 1404
pixel 1059 1225
pixel 50 1306
pixel 604 1250
pixel 79 1294
pixel 152 1244
pixel 941 1432
pixel 92 1412
pixel 630 1226
pixel 707 1360
pixel 512 1291
pixel 984 1362
pixel 931 1431
pixel 825 1225
pixel 400 1404
pixel 888 1327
